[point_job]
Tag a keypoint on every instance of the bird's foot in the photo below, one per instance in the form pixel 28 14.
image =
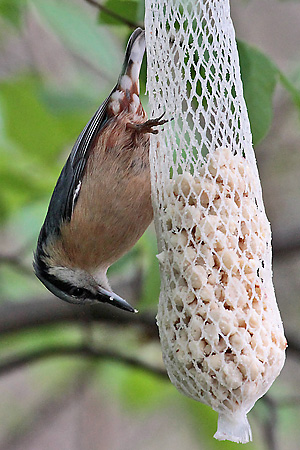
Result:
pixel 147 127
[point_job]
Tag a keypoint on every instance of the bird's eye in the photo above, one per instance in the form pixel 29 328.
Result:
pixel 77 292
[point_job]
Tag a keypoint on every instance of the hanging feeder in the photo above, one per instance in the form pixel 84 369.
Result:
pixel 221 333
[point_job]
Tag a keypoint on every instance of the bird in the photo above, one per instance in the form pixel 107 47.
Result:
pixel 101 204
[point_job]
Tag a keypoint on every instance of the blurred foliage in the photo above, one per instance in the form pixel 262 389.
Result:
pixel 11 10
pixel 259 76
pixel 30 148
pixel 80 33
pixel 130 10
pixel 40 118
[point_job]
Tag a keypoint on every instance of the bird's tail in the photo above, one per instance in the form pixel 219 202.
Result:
pixel 133 60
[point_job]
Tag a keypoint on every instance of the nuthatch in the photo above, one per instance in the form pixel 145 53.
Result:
pixel 101 204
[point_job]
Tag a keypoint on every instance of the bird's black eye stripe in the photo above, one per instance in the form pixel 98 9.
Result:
pixel 78 292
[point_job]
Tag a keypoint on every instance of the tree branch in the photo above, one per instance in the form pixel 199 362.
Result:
pixel 293 345
pixel 114 15
pixel 16 362
pixel 15 317
pixel 16 262
pixel 34 313
pixel 286 244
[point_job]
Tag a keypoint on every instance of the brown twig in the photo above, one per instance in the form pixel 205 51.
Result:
pixel 16 262
pixel 114 15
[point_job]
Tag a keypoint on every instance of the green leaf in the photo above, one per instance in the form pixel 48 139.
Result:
pixel 28 122
pixel 11 10
pixel 291 88
pixel 128 9
pixel 81 34
pixel 259 76
pixel 31 139
pixel 20 181
pixel 140 11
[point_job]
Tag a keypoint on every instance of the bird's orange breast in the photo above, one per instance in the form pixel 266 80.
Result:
pixel 114 204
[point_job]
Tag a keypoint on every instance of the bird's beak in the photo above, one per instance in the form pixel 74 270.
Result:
pixel 114 299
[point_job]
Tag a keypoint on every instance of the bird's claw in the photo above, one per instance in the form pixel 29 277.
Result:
pixel 147 127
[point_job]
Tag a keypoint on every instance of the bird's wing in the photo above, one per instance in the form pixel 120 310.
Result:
pixel 68 185
pixel 134 51
pixel 79 156
pixel 67 188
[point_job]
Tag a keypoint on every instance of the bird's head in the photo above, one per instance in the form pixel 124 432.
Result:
pixel 75 285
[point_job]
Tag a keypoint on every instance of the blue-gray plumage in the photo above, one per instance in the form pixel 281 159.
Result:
pixel 101 204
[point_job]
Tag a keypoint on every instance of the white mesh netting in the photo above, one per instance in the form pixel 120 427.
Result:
pixel 221 334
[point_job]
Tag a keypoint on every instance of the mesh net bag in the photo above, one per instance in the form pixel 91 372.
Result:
pixel 222 337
